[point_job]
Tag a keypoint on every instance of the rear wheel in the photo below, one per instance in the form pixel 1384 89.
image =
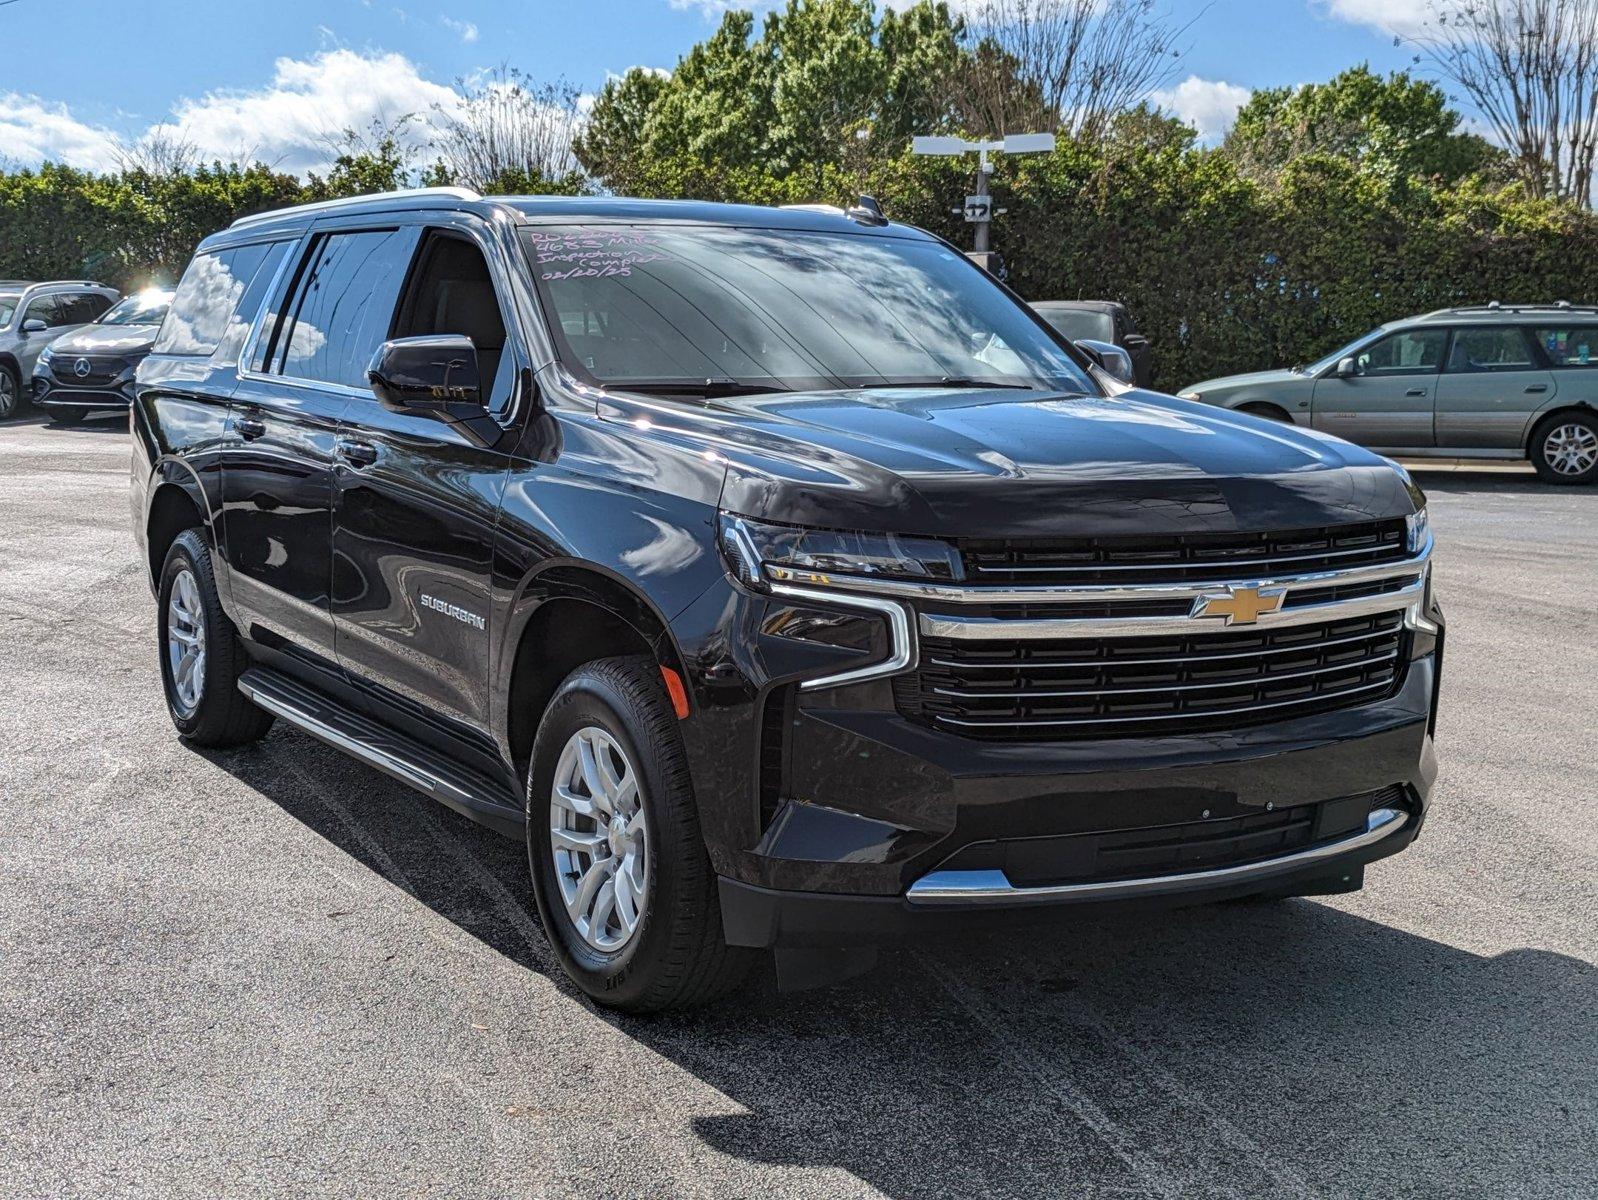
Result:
pixel 202 655
pixel 10 392
pixel 1564 449
pixel 69 415
pixel 624 886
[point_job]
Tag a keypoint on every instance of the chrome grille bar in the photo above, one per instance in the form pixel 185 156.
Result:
pixel 1244 681
pixel 1134 719
pixel 1014 665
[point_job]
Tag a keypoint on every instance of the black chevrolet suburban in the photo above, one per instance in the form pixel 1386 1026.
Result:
pixel 778 575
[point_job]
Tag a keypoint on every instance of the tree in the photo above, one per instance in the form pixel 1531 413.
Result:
pixel 375 159
pixel 1398 128
pixel 609 143
pixel 1065 65
pixel 509 134
pixel 1530 67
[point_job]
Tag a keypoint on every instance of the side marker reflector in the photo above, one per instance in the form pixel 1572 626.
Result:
pixel 678 693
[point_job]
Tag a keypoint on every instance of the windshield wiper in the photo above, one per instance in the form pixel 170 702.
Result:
pixel 708 388
pixel 961 381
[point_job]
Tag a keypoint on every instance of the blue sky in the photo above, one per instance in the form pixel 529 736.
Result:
pixel 276 79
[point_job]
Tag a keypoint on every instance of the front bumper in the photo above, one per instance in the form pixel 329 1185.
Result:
pixel 49 393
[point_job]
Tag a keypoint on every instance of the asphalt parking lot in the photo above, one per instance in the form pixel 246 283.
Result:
pixel 274 972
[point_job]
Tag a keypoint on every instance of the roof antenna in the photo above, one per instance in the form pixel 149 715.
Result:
pixel 867 211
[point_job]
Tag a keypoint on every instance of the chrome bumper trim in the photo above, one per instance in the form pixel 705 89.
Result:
pixel 995 629
pixel 994 887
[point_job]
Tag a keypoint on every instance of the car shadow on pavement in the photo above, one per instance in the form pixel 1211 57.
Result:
pixel 1247 1050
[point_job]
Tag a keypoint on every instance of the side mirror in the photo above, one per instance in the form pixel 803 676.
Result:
pixel 34 325
pixel 1115 361
pixel 435 374
pixel 1346 367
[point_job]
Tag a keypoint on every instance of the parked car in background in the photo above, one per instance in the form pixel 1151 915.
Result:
pixel 32 315
pixel 1489 381
pixel 91 369
pixel 1101 321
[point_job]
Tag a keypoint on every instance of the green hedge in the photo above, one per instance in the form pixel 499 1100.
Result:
pixel 1223 273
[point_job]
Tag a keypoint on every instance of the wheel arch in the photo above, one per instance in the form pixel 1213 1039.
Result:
pixel 565 614
pixel 176 502
pixel 1583 408
pixel 1267 409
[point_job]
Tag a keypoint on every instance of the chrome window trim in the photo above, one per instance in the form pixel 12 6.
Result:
pixel 1095 592
pixel 994 887
pixel 1010 629
pixel 901 635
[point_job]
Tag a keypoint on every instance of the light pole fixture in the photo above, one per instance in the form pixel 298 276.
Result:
pixel 979 207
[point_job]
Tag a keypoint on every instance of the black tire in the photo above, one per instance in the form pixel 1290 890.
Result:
pixel 10 392
pixel 676 957
pixel 67 416
pixel 1579 425
pixel 220 715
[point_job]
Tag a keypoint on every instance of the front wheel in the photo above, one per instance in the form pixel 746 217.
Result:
pixel 624 887
pixel 1564 449
pixel 202 655
pixel 10 393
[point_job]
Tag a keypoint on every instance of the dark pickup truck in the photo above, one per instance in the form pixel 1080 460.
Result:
pixel 779 576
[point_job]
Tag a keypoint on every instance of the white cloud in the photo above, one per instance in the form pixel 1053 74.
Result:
pixel 1398 17
pixel 290 122
pixel 1209 105
pixel 465 30
pixel 34 131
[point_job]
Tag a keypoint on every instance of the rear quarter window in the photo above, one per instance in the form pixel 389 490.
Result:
pixel 208 299
pixel 1569 345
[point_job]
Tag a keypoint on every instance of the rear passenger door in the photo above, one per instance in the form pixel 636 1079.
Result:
pixel 1388 400
pixel 1491 386
pixel 306 364
pixel 418 501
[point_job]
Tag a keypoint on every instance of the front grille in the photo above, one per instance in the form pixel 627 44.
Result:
pixel 101 370
pixel 1151 686
pixel 1181 558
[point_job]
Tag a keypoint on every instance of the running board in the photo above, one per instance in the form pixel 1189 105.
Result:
pixel 467 792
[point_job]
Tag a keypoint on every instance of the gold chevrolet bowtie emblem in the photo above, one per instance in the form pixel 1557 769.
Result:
pixel 1240 606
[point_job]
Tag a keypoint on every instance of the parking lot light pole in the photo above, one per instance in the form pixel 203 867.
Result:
pixel 978 206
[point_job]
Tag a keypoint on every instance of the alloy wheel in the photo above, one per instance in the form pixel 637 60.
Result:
pixel 599 836
pixel 1571 448
pixel 185 642
pixel 8 394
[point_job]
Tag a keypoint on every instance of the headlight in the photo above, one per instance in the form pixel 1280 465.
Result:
pixel 45 356
pixel 1417 530
pixel 1190 396
pixel 759 552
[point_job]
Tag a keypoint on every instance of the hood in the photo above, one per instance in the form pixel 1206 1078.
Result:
pixel 106 339
pixel 1010 463
pixel 1253 379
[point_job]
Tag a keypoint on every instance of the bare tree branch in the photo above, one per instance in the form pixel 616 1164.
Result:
pixel 508 132
pixel 1531 69
pixel 1064 65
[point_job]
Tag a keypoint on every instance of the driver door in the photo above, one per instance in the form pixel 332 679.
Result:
pixel 1388 401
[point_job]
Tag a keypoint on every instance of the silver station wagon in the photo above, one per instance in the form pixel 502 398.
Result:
pixel 1493 381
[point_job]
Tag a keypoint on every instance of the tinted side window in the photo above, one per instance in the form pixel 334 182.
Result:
pixel 1569 345
pixel 79 308
pixel 207 299
pixel 1416 352
pixel 238 327
pixel 1502 349
pixel 452 291
pixel 342 306
pixel 45 309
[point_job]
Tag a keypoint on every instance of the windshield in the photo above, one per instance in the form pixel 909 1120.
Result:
pixel 1342 352
pixel 145 308
pixel 8 306
pixel 1078 323
pixel 712 309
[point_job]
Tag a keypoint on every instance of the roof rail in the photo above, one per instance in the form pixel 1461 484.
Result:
pixel 1499 306
pixel 453 193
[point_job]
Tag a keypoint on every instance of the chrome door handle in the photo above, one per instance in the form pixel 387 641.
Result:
pixel 1538 387
pixel 1416 392
pixel 357 453
pixel 250 428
